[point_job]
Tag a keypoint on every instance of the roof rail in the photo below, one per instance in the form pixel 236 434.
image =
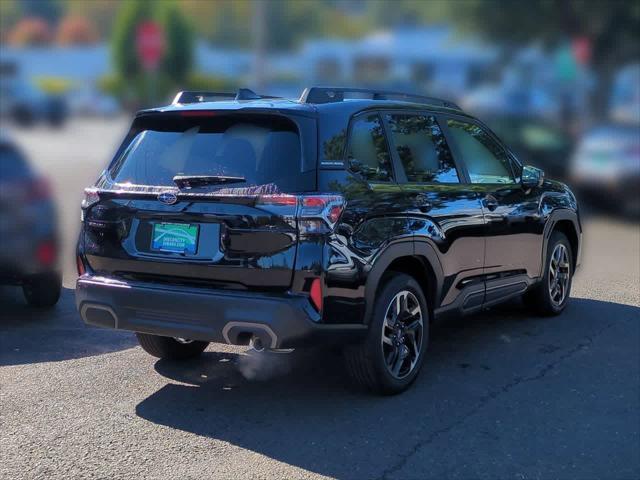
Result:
pixel 202 96
pixel 331 95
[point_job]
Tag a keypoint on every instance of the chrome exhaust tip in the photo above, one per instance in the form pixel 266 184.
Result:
pixel 256 344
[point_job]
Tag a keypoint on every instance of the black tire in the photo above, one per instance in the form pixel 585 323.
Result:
pixel 539 298
pixel 42 291
pixel 366 362
pixel 170 348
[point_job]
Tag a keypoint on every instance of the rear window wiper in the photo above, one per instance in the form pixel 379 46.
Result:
pixel 190 181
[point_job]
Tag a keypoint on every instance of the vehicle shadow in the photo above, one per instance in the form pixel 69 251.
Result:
pixel 30 335
pixel 306 413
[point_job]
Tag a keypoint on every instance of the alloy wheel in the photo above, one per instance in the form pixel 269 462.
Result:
pixel 559 274
pixel 402 334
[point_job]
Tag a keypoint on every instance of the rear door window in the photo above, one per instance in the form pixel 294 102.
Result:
pixel 485 159
pixel 368 153
pixel 422 149
pixel 262 151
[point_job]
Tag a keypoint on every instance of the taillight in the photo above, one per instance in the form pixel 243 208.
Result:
pixel 278 200
pixel 46 253
pixel 316 294
pixel 39 190
pixel 319 213
pixel 316 214
pixel 80 266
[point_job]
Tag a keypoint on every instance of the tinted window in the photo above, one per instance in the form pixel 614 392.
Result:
pixel 368 151
pixel 485 159
pixel 263 152
pixel 12 164
pixel 422 149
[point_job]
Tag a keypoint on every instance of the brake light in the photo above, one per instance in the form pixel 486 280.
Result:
pixel 320 213
pixel 39 190
pixel 316 214
pixel 316 294
pixel 278 200
pixel 46 253
pixel 197 113
pixel 334 213
pixel 80 266
pixel 313 202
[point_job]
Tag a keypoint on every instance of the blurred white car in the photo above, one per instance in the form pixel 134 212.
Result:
pixel 625 98
pixel 606 166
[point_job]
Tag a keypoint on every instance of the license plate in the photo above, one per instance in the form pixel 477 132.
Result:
pixel 175 237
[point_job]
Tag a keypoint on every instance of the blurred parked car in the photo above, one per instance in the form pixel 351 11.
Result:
pixel 29 253
pixel 513 101
pixel 535 142
pixel 606 167
pixel 91 102
pixel 26 104
pixel 625 98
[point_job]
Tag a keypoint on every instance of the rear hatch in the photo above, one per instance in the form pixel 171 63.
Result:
pixel 203 197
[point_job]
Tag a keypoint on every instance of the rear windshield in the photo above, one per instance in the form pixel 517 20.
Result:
pixel 12 165
pixel 264 151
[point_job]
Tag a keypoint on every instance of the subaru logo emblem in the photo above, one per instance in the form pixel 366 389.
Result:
pixel 168 198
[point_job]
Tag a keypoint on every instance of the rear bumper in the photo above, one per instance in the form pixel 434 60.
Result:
pixel 280 321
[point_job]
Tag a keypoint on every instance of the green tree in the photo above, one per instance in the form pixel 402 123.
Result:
pixel 611 27
pixel 178 57
pixel 124 54
pixel 288 22
pixel 177 60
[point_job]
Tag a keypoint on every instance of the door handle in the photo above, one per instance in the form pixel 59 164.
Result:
pixel 422 202
pixel 490 202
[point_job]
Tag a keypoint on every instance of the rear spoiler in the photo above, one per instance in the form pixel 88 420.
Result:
pixel 201 96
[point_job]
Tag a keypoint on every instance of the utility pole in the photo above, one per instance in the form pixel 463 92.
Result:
pixel 259 35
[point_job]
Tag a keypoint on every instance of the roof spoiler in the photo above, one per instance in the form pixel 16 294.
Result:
pixel 203 96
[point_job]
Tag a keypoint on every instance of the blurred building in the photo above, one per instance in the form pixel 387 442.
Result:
pixel 429 59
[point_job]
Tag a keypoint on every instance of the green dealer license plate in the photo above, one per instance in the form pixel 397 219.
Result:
pixel 175 237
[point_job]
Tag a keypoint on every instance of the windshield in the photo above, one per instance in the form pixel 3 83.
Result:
pixel 259 151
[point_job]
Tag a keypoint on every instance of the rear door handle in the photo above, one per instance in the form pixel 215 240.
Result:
pixel 490 202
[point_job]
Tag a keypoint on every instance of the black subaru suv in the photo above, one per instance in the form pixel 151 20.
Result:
pixel 351 217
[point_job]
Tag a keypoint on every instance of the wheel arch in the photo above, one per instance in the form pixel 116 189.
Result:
pixel 565 221
pixel 418 260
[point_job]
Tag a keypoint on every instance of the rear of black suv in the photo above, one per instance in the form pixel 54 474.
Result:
pixel 206 227
pixel 349 216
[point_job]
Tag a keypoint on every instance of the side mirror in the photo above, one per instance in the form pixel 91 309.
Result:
pixel 531 177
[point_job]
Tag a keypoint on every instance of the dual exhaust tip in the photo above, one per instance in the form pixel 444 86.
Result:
pixel 257 335
pixel 256 344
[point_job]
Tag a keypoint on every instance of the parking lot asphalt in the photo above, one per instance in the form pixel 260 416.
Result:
pixel 502 394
